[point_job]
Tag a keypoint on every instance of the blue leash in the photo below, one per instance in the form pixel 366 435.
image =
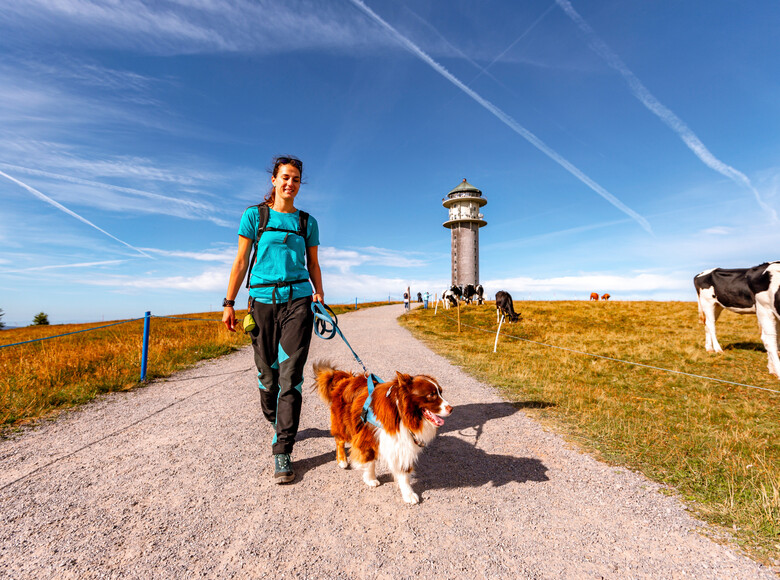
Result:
pixel 326 326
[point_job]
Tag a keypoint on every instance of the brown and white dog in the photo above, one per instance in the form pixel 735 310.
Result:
pixel 409 410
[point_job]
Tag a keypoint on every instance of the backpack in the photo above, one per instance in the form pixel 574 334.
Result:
pixel 263 213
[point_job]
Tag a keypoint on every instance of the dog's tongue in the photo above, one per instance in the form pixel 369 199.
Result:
pixel 434 418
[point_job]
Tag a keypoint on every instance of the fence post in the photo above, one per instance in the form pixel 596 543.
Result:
pixel 495 344
pixel 145 351
pixel 355 303
pixel 458 316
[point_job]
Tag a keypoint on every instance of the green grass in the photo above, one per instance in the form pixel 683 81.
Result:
pixel 717 444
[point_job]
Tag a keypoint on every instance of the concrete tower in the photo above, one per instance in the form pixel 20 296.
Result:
pixel 464 222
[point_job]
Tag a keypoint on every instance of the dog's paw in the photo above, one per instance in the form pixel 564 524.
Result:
pixel 411 498
pixel 370 482
pixel 343 464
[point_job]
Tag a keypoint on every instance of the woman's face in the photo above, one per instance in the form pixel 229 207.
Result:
pixel 287 182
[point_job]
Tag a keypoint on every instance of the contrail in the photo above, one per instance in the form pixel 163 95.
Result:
pixel 61 207
pixel 506 119
pixel 456 49
pixel 518 39
pixel 200 209
pixel 58 266
pixel 654 105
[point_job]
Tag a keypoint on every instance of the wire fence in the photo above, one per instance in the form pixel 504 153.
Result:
pixel 628 362
pixel 145 340
pixel 69 333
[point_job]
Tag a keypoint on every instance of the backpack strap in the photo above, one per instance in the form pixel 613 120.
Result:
pixel 303 224
pixel 263 213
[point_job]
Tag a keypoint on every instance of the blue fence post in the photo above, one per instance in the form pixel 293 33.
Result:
pixel 355 303
pixel 145 351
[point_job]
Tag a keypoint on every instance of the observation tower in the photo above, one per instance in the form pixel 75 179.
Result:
pixel 464 222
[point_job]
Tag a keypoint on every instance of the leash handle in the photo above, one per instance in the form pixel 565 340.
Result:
pixel 325 320
pixel 322 321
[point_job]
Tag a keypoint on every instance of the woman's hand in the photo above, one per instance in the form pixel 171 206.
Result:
pixel 229 318
pixel 318 297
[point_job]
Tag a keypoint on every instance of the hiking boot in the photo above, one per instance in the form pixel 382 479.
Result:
pixel 283 471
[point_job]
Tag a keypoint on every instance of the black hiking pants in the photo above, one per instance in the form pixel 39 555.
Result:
pixel 281 345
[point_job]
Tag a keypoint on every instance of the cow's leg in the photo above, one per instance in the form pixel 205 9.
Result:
pixel 709 312
pixel 768 323
pixel 711 342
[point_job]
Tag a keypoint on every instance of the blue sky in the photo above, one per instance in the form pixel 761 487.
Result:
pixel 622 146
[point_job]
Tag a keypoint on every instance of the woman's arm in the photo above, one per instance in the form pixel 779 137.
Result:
pixel 237 273
pixel 313 265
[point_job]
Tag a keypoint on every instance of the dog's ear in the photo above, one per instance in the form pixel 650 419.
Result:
pixel 402 379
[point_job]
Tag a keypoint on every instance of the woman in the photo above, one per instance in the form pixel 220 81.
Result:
pixel 280 297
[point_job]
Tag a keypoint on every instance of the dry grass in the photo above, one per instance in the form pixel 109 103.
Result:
pixel 717 444
pixel 41 378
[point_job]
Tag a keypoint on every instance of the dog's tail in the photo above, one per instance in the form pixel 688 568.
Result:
pixel 323 380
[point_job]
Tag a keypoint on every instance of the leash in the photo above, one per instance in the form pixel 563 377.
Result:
pixel 326 327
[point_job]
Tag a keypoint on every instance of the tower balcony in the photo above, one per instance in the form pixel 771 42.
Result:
pixel 474 220
pixel 462 198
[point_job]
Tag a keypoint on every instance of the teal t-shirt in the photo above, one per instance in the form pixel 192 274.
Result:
pixel 281 256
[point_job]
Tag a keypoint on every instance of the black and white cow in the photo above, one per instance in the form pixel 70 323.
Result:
pixel 449 298
pixel 469 291
pixel 505 307
pixel 744 291
pixel 480 296
pixel 764 283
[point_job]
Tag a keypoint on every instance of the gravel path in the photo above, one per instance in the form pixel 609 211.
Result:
pixel 174 481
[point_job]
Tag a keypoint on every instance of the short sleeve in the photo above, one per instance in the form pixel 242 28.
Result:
pixel 312 233
pixel 248 225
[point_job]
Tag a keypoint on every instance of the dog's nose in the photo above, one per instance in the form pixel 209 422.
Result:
pixel 448 408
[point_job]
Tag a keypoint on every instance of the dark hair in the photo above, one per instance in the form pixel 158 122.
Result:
pixel 278 161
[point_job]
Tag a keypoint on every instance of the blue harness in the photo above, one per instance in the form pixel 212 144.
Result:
pixel 326 326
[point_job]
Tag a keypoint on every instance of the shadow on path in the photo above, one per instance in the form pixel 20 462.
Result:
pixel 302 466
pixel 473 416
pixel 453 462
pixel 311 433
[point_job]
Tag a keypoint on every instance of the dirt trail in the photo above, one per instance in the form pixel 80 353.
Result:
pixel 174 481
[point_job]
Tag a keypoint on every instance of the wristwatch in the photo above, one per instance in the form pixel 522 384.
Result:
pixel 227 302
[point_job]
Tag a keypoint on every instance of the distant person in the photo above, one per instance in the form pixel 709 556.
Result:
pixel 406 301
pixel 280 297
pixel 419 297
pixel 426 297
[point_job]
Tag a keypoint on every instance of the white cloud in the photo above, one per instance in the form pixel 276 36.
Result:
pixel 175 27
pixel 340 287
pixel 344 260
pixel 620 287
pixel 213 280
pixel 717 231
pixel 226 255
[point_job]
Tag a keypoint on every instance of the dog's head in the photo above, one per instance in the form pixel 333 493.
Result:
pixel 425 398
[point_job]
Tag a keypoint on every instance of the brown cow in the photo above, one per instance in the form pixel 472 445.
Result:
pixel 605 297
pixel 594 296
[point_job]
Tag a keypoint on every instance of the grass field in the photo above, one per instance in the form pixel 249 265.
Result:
pixel 717 444
pixel 41 378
